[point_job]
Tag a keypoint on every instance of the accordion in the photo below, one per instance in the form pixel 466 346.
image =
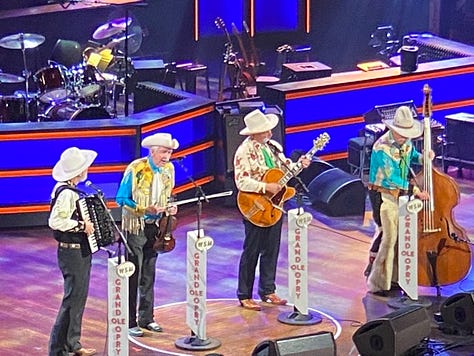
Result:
pixel 92 208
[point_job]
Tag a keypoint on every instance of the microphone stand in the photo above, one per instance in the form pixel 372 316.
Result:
pixel 127 73
pixel 117 299
pixel 122 239
pixel 300 183
pixel 198 342
pixel 200 195
pixel 26 74
pixel 301 220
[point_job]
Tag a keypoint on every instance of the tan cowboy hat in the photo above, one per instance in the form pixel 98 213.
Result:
pixel 257 122
pixel 73 162
pixel 404 123
pixel 160 139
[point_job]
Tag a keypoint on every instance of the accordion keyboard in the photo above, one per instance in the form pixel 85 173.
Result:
pixel 91 208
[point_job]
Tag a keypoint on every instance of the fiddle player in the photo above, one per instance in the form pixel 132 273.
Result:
pixel 253 158
pixel 74 258
pixel 143 194
pixel 392 156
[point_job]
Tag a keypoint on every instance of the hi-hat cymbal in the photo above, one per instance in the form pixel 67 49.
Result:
pixel 111 28
pixel 10 78
pixel 22 40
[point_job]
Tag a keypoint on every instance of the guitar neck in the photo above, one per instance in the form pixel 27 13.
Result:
pixel 290 174
pixel 297 168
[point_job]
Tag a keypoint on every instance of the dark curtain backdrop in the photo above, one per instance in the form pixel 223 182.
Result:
pixel 339 34
pixel 341 29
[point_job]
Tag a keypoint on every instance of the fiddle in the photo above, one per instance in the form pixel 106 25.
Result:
pixel 164 240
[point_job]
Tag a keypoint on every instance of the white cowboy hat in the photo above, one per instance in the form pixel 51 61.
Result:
pixel 73 162
pixel 404 123
pixel 160 139
pixel 257 122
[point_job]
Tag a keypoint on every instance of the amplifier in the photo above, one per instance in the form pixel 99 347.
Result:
pixel 459 134
pixel 292 72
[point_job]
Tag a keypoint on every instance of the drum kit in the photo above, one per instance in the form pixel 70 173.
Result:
pixel 81 91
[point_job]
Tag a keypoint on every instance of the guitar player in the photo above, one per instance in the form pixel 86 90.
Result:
pixel 255 156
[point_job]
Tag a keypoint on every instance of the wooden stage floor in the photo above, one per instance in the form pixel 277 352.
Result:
pixel 31 287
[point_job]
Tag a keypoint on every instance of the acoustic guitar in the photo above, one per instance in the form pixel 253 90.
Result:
pixel 265 210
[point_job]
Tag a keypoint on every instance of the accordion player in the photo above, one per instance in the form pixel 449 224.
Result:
pixel 92 208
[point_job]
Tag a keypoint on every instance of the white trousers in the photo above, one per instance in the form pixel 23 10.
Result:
pixel 385 268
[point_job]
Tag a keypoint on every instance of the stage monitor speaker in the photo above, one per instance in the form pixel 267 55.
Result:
pixel 292 72
pixel 318 344
pixel 337 193
pixel 233 123
pixel 458 314
pixel 393 334
pixel 316 167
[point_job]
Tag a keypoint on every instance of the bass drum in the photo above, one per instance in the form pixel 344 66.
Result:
pixel 69 111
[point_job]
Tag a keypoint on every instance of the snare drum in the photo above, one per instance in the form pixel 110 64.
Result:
pixel 90 87
pixel 71 111
pixel 51 83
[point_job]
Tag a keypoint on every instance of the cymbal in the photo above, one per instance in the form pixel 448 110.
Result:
pixel 111 28
pixel 115 41
pixel 22 40
pixel 10 78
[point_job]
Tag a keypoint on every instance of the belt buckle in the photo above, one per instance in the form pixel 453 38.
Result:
pixel 70 245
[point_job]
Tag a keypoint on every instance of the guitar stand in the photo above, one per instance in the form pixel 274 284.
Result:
pixel 236 89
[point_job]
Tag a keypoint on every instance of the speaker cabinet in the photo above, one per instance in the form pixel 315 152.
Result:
pixel 153 70
pixel 292 72
pixel 318 344
pixel 459 133
pixel 335 192
pixel 458 313
pixel 234 122
pixel 316 167
pixel 394 333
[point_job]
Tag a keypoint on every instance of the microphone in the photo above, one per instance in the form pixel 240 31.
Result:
pixel 89 184
pixel 273 147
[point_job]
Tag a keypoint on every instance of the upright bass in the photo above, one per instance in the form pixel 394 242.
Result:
pixel 444 256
